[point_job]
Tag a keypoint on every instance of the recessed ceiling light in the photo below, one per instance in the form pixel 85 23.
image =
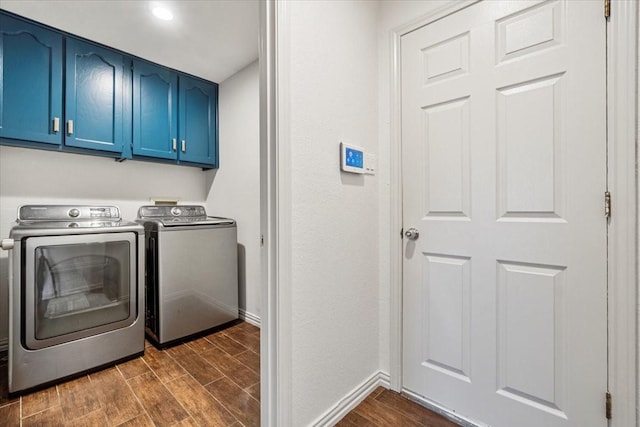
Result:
pixel 163 13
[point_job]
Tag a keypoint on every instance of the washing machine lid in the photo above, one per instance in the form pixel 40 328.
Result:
pixel 209 220
pixel 180 216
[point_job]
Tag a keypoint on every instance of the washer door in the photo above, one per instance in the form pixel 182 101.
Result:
pixel 76 286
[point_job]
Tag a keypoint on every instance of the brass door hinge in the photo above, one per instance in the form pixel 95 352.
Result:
pixel 607 8
pixel 608 405
pixel 607 205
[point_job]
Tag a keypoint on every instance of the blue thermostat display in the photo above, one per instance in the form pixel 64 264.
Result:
pixel 352 158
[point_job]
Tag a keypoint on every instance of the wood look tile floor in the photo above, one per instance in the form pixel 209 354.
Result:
pixel 387 408
pixel 210 381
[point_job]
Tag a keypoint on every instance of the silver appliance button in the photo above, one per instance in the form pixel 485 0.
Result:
pixel 176 211
pixel 6 244
pixel 74 213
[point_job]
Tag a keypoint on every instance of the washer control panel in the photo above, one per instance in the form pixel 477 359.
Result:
pixel 167 211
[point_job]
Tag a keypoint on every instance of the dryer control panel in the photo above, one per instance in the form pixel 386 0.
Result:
pixel 67 212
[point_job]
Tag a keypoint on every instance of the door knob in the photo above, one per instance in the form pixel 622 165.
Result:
pixel 412 234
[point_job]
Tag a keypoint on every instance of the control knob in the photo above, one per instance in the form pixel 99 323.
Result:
pixel 6 244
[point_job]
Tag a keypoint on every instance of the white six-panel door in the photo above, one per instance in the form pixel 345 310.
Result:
pixel 504 174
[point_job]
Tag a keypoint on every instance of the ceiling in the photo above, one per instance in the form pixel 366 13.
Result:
pixel 212 39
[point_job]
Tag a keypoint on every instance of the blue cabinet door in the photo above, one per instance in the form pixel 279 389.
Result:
pixel 198 121
pixel 30 82
pixel 155 111
pixel 94 102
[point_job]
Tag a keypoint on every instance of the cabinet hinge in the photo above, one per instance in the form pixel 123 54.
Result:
pixel 608 405
pixel 261 240
pixel 402 233
pixel 607 205
pixel 607 8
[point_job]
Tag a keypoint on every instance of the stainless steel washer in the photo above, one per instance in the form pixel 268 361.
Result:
pixel 192 271
pixel 76 292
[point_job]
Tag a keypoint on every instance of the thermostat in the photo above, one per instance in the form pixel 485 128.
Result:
pixel 351 158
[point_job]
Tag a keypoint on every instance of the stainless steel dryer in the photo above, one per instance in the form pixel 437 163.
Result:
pixel 76 292
pixel 192 271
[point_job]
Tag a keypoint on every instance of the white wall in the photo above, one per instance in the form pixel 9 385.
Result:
pixel 29 176
pixel 235 192
pixel 332 76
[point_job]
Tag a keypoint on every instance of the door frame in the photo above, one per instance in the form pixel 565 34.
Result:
pixel 275 217
pixel 624 290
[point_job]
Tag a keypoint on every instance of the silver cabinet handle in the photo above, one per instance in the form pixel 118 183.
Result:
pixel 70 127
pixel 175 144
pixel 412 234
pixel 56 124
pixel 184 146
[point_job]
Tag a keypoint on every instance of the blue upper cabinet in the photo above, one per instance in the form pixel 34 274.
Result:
pixel 30 82
pixel 198 121
pixel 155 111
pixel 94 103
pixel 62 93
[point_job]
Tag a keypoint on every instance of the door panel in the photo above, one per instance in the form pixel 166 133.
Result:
pixel 447 345
pixel 526 293
pixel 504 149
pixel 529 139
pixel 447 159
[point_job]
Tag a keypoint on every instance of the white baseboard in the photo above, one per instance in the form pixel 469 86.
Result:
pixel 433 406
pixel 352 399
pixel 249 318
pixel 4 344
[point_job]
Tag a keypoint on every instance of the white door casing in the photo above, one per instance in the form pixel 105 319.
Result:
pixel 504 170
